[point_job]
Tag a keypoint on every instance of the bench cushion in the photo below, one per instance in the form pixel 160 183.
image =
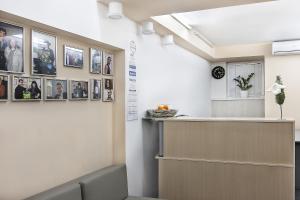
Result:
pixel 70 191
pixel 108 184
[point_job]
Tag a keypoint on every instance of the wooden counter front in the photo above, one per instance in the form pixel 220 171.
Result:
pixel 227 160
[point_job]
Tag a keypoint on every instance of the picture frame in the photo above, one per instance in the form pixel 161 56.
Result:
pixel 96 89
pixel 43 53
pixel 108 64
pixel 73 57
pixel 12 49
pixel 78 90
pixel 27 88
pixel 55 89
pixel 96 60
pixel 4 87
pixel 108 90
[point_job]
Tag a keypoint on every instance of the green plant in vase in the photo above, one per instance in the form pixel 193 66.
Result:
pixel 278 91
pixel 244 84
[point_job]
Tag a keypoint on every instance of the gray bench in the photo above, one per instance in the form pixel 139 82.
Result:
pixel 106 184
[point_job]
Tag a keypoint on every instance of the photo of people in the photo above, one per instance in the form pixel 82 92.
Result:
pixel 11 48
pixel 79 90
pixel 108 64
pixel 73 57
pixel 95 61
pixel 26 88
pixel 3 87
pixel 56 89
pixel 108 89
pixel 43 49
pixel 96 89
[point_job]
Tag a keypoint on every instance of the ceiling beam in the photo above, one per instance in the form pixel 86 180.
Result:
pixel 140 10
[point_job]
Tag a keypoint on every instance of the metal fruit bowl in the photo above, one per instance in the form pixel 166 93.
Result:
pixel 161 113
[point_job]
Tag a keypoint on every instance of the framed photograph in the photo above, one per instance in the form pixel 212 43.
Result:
pixel 108 63
pixel 26 88
pixel 56 89
pixel 11 48
pixel 43 53
pixel 4 81
pixel 108 89
pixel 95 61
pixel 95 89
pixel 73 57
pixel 79 90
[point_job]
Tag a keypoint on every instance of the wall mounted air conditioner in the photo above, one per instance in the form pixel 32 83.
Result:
pixel 286 47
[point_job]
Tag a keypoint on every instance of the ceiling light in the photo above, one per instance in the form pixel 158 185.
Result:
pixel 148 28
pixel 168 40
pixel 115 10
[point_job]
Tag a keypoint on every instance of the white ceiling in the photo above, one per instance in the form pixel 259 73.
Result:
pixel 254 23
pixel 140 10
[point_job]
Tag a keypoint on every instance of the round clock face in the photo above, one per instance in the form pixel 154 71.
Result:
pixel 218 72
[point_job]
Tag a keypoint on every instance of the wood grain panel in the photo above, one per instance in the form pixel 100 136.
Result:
pixel 196 180
pixel 234 141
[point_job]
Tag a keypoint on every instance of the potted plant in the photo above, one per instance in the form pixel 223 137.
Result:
pixel 243 84
pixel 278 91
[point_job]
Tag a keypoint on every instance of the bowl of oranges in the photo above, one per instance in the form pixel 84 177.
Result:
pixel 162 111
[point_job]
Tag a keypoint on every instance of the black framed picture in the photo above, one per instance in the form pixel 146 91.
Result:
pixel 43 53
pixel 73 57
pixel 108 89
pixel 26 88
pixel 11 48
pixel 79 90
pixel 4 81
pixel 95 61
pixel 56 89
pixel 108 63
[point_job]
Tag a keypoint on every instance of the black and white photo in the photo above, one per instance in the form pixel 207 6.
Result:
pixel 11 48
pixel 95 89
pixel 108 89
pixel 95 60
pixel 56 89
pixel 43 52
pixel 26 88
pixel 73 57
pixel 108 63
pixel 79 90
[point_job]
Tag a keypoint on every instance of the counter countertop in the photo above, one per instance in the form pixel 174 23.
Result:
pixel 220 119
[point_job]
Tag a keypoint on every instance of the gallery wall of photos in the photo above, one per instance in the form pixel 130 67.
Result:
pixel 43 82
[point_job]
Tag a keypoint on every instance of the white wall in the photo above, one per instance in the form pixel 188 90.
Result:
pixel 165 74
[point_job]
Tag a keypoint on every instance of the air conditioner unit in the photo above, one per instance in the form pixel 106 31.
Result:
pixel 286 47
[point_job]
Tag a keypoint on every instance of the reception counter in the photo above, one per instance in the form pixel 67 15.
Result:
pixel 226 159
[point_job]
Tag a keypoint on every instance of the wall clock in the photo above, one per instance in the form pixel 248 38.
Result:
pixel 218 72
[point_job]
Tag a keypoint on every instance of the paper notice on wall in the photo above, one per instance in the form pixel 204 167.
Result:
pixel 132 111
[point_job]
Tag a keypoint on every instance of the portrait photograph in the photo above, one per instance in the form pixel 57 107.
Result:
pixel 11 48
pixel 95 61
pixel 108 63
pixel 108 89
pixel 73 57
pixel 43 53
pixel 79 90
pixel 26 88
pixel 95 89
pixel 4 87
pixel 56 89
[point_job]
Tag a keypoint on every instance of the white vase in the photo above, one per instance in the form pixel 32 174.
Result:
pixel 244 94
